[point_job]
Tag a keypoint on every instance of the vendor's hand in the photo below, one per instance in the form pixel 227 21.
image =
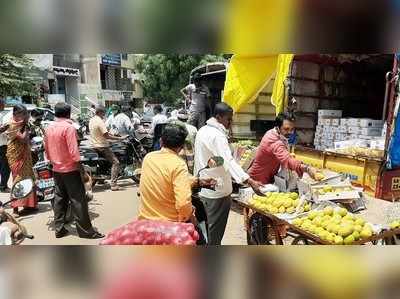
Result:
pixel 124 137
pixel 256 186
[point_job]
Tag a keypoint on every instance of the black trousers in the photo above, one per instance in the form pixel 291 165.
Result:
pixel 70 189
pixel 217 210
pixel 4 167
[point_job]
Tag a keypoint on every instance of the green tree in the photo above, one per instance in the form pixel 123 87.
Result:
pixel 164 75
pixel 18 76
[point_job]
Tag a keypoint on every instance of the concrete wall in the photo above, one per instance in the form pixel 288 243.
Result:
pixel 130 63
pixel 90 70
pixel 92 92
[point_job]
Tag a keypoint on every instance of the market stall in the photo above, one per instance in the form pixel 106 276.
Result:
pixel 317 215
pixel 301 236
pixel 346 110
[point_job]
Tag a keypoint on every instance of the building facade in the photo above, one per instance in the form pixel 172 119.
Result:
pixel 85 80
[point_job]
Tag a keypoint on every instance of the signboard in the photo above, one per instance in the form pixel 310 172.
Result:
pixel 395 184
pixel 65 71
pixel 111 59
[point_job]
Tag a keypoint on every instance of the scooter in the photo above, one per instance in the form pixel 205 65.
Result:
pixel 22 190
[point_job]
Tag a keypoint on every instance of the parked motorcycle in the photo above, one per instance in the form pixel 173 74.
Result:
pixel 45 185
pixel 130 154
pixel 145 138
pixel 22 190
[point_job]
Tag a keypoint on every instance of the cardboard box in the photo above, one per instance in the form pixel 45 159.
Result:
pixel 378 144
pixel 354 130
pixel 354 136
pixel 370 123
pixel 329 136
pixel 371 131
pixel 351 143
pixel 319 129
pixel 340 136
pixel 326 122
pixel 335 122
pixel 345 192
pixel 353 122
pixel 330 113
pixel 344 121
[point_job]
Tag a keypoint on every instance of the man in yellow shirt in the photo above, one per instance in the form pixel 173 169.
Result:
pixel 165 183
pixel 100 140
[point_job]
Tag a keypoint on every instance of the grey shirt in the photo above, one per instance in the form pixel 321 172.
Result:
pixel 199 102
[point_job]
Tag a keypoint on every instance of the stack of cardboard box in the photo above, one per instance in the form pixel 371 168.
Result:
pixel 327 130
pixel 332 128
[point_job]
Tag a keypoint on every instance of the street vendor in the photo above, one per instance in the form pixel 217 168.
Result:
pixel 273 153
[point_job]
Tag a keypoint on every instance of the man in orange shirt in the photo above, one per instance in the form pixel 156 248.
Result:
pixel 61 145
pixel 165 183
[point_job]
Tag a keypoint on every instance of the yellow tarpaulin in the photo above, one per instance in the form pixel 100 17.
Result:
pixel 282 71
pixel 259 26
pixel 247 76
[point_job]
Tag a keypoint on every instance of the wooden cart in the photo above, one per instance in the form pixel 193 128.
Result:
pixel 277 230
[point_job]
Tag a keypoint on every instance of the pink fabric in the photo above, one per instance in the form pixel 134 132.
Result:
pixel 272 153
pixel 61 144
pixel 154 278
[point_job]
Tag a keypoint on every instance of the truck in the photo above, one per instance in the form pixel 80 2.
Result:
pixel 360 85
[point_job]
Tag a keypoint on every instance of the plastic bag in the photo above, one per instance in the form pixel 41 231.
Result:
pixel 146 232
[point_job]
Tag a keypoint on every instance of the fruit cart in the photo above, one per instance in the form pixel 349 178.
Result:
pixel 276 230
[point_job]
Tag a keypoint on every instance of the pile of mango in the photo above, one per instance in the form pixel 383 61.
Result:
pixel 278 203
pixel 329 189
pixel 247 143
pixel 335 226
pixel 395 224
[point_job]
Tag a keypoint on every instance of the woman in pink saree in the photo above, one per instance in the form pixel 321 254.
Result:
pixel 19 155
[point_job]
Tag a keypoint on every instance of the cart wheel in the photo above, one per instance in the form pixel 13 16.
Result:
pixel 258 233
pixel 300 241
pixel 250 239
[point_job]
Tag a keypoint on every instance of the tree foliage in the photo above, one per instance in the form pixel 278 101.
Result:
pixel 164 75
pixel 18 76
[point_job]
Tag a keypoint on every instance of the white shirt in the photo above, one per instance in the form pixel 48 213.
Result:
pixel 122 124
pixel 135 118
pixel 211 141
pixel 192 132
pixel 5 118
pixel 158 119
pixel 110 121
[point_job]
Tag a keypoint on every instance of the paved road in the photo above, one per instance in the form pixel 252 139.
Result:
pixel 108 210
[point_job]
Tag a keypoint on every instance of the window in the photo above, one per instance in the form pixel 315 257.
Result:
pixel 124 56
